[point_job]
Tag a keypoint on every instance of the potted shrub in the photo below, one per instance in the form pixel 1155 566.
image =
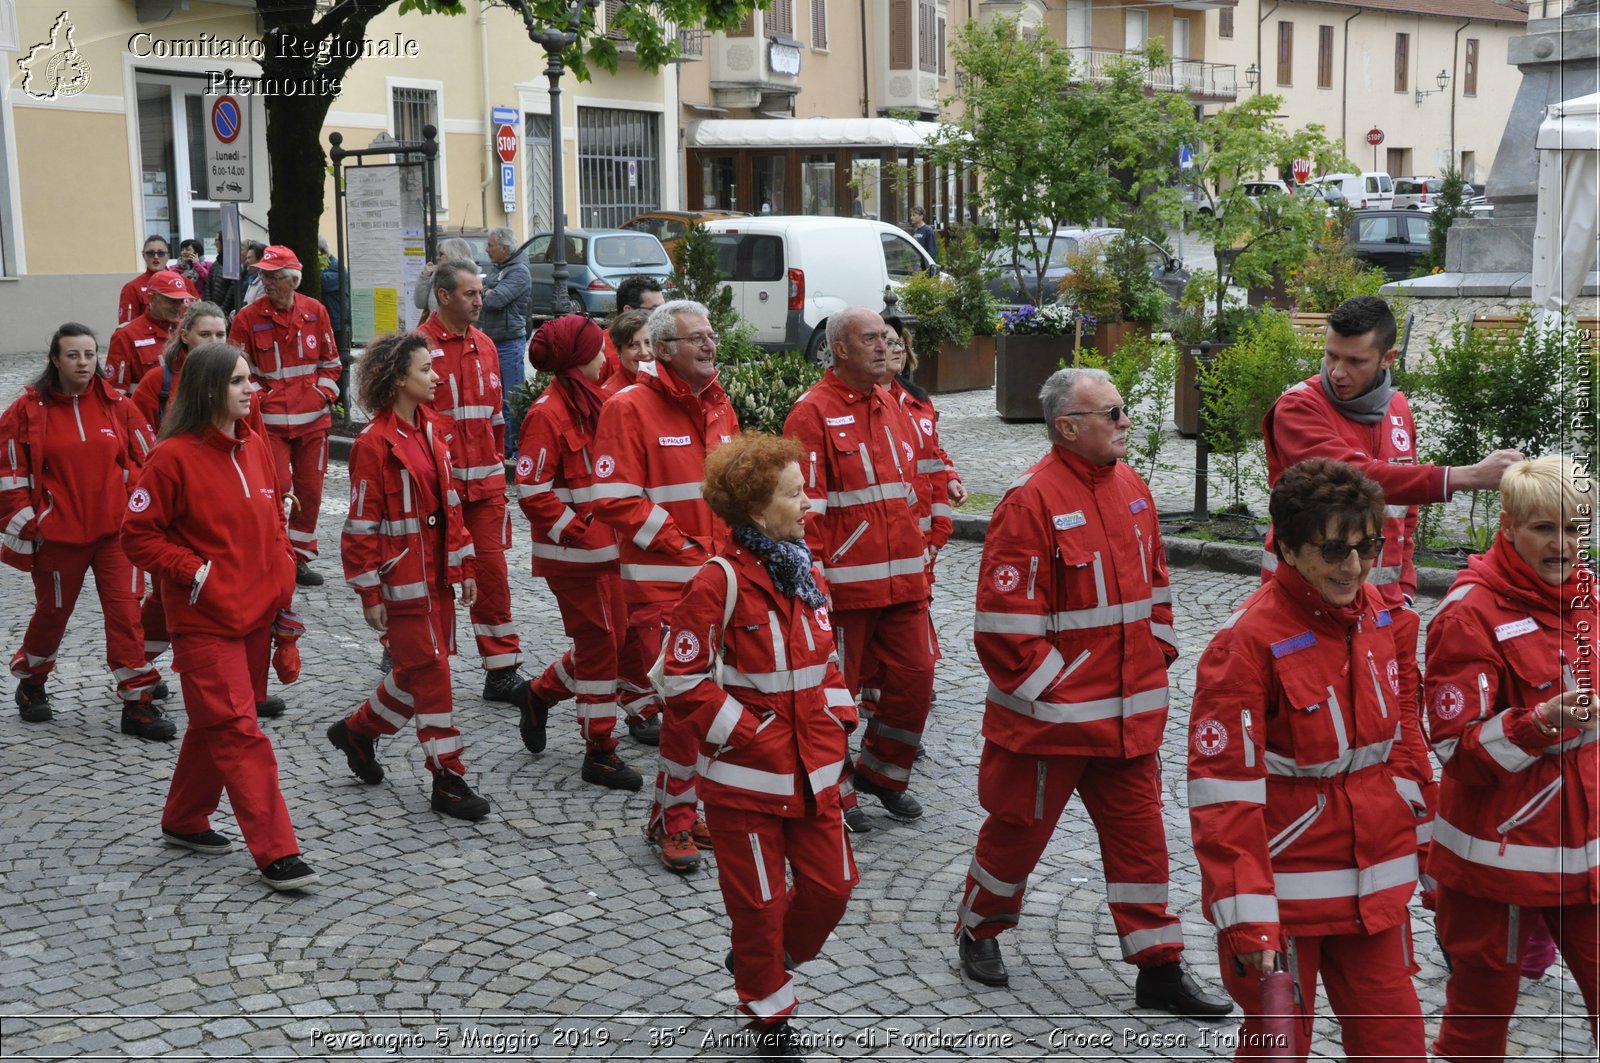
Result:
pixel 1193 324
pixel 954 320
pixel 1033 343
pixel 1141 302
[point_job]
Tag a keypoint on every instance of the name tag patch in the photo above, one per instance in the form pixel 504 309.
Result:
pixel 847 419
pixel 1075 519
pixel 1303 641
pixel 144 342
pixel 1138 505
pixel 1383 619
pixel 261 328
pixel 1525 626
pixel 673 441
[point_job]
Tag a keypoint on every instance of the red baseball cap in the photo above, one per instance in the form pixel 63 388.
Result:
pixel 165 282
pixel 277 257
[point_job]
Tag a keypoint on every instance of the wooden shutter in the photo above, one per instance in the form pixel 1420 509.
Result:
pixel 780 18
pixel 746 29
pixel 1402 62
pixel 901 44
pixel 819 25
pixel 1471 76
pixel 1286 53
pixel 1225 23
pixel 1324 57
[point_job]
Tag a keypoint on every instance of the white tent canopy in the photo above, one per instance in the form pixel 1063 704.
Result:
pixel 1568 224
pixel 809 132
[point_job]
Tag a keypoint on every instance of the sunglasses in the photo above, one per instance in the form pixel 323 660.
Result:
pixel 1334 551
pixel 1114 414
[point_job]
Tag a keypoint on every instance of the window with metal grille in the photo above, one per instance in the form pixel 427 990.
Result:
pixel 1324 57
pixel 1471 76
pixel 819 25
pixel 1286 53
pixel 1402 62
pixel 413 109
pixel 619 165
pixel 780 18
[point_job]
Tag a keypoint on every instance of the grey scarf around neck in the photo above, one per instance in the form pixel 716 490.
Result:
pixel 1366 408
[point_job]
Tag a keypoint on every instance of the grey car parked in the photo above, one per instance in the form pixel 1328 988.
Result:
pixel 597 259
pixel 1167 270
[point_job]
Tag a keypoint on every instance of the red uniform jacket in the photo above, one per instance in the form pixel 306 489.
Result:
pixel 134 349
pixel 555 486
pixel 651 450
pixel 209 499
pixel 1303 769
pixel 386 543
pixel 295 360
pixel 1074 620
pixel 1304 424
pixel 860 466
pixel 1519 812
pixel 775 730
pixel 134 301
pixel 66 467
pixel 934 467
pixel 469 401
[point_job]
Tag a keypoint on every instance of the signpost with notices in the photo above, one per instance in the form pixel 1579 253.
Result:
pixel 386 223
pixel 228 151
pixel 505 121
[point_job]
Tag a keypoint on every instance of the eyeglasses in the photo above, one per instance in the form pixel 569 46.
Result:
pixel 155 254
pixel 1334 551
pixel 1113 414
pixel 699 339
pixel 897 345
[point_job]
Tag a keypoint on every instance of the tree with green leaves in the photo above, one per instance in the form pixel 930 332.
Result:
pixel 294 122
pixel 1055 149
pixel 1256 241
pixel 1448 205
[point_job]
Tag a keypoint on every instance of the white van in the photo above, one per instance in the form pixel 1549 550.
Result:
pixel 1368 189
pixel 789 274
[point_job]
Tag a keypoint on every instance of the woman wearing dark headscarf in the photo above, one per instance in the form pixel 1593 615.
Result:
pixel 575 554
pixel 750 671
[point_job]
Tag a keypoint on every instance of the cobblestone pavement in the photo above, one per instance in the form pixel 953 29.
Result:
pixel 548 931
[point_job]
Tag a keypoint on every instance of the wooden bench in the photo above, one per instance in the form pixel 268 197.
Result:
pixel 1310 325
pixel 1509 326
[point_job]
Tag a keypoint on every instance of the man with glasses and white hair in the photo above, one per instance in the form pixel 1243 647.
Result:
pixel 1074 628
pixel 651 449
pixel 288 339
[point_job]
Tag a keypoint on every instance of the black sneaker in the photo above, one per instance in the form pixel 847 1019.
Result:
pixel 856 821
pixel 206 841
pixel 360 752
pixel 606 769
pixel 32 704
pixel 779 1042
pixel 385 663
pixel 501 685
pixel 289 873
pixel 270 709
pixel 145 719
pixel 645 731
pixel 897 803
pixel 534 714
pixel 453 797
pixel 304 576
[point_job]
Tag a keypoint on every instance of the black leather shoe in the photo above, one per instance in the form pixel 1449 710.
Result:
pixel 897 803
pixel 533 713
pixel 1170 988
pixel 304 576
pixel 501 685
pixel 271 708
pixel 981 961
pixel 779 1042
pixel 855 820
pixel 645 732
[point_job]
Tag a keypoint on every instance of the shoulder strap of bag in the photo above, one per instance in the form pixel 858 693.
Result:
pixel 733 592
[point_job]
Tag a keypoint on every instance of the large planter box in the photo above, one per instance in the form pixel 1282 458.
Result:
pixel 955 368
pixel 1186 397
pixel 1021 366
pixel 1109 335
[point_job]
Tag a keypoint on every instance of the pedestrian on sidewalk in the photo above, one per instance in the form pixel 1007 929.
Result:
pixel 573 551
pixel 206 521
pixel 751 673
pixel 1305 780
pixel 404 545
pixel 1511 712
pixel 71 448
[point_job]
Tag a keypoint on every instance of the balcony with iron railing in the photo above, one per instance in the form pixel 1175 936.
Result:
pixel 1211 81
pixel 691 43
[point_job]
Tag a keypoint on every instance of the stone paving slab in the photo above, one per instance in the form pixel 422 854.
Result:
pixel 548 931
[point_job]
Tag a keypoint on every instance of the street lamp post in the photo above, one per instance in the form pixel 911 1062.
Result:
pixel 554 41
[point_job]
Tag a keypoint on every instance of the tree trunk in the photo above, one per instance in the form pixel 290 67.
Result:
pixel 294 129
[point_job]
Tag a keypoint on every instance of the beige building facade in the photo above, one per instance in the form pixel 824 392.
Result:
pixel 1430 75
pixel 103 111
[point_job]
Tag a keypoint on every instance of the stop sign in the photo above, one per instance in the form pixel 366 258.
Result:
pixel 1374 136
pixel 1302 170
pixel 505 143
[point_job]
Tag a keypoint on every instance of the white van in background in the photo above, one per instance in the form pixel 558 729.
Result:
pixel 1368 189
pixel 789 274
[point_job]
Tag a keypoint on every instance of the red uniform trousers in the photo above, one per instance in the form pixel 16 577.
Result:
pixel 301 462
pixel 677 763
pixel 1025 797
pixel 1368 979
pixel 223 747
pixel 58 570
pixel 1485 949
pixel 771 919
pixel 641 645
pixel 594 616
pixel 901 637
pixel 492 629
pixel 153 621
pixel 418 688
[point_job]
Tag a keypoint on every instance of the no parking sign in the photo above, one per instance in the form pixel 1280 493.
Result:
pixel 228 173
